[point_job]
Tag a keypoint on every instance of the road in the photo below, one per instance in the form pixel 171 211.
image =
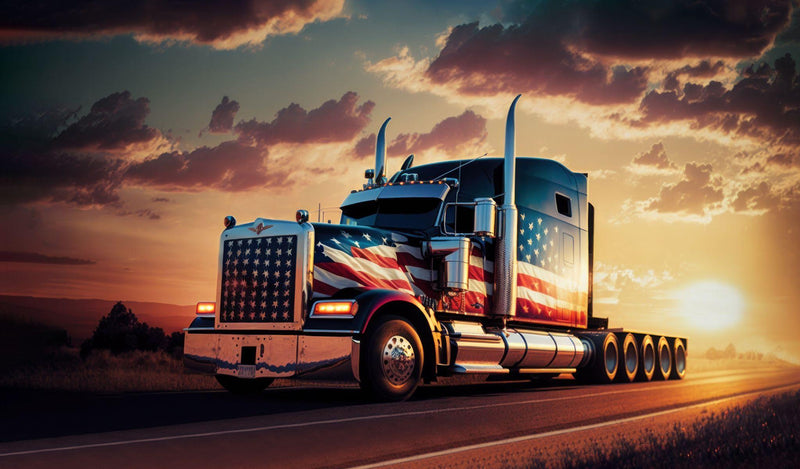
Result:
pixel 335 427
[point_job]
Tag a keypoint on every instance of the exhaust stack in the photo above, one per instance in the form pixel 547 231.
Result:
pixel 505 266
pixel 380 155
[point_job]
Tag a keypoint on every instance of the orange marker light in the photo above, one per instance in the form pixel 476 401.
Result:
pixel 205 307
pixel 335 308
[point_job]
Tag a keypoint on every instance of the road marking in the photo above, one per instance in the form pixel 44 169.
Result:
pixel 536 436
pixel 332 421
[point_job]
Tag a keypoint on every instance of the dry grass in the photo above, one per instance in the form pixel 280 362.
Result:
pixel 63 370
pixel 765 433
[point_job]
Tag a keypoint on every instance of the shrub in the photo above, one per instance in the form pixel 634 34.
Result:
pixel 120 331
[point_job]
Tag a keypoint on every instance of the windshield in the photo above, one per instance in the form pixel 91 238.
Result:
pixel 397 213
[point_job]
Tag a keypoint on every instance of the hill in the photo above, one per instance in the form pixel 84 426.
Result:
pixel 80 317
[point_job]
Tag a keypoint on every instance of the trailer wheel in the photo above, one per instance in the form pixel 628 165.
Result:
pixel 647 359
pixel 392 361
pixel 605 362
pixel 664 355
pixel 679 355
pixel 243 386
pixel 629 358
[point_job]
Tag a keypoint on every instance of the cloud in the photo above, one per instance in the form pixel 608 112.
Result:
pixel 588 50
pixel 705 69
pixel 223 115
pixel 696 194
pixel 530 58
pixel 51 157
pixel 333 121
pixel 653 161
pixel 229 166
pixel 763 106
pixel 452 135
pixel 221 25
pixel 678 29
pixel 756 199
pixel 37 258
pixel 114 123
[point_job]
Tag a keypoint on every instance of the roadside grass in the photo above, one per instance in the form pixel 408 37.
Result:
pixel 762 433
pixel 61 369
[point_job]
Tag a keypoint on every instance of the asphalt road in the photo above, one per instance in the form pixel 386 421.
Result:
pixel 330 427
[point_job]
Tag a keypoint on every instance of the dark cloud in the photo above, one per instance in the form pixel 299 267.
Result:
pixel 114 123
pixel 695 194
pixel 219 24
pixel 529 58
pixel 37 258
pixel 764 104
pixel 452 135
pixel 51 157
pixel 230 166
pixel 223 115
pixel 333 121
pixel 756 197
pixel 656 157
pixel 704 69
pixel 564 48
pixel 676 29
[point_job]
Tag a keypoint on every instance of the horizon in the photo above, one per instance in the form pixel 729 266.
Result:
pixel 124 142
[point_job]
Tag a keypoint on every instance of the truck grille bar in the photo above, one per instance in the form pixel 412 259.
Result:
pixel 258 280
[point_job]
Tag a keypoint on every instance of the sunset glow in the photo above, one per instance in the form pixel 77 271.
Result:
pixel 711 305
pixel 125 139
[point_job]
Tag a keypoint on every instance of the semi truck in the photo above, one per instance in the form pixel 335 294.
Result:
pixel 479 266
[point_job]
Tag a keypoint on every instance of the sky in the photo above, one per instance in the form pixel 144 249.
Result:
pixel 129 130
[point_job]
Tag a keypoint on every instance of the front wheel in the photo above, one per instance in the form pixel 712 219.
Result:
pixel 392 361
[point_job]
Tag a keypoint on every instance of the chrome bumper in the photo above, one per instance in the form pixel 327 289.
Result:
pixel 270 355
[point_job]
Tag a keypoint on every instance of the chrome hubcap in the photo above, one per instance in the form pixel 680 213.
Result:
pixel 398 360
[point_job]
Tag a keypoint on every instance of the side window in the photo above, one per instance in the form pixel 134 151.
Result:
pixel 563 205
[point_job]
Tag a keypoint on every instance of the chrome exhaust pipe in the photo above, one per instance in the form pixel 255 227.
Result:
pixel 505 266
pixel 380 155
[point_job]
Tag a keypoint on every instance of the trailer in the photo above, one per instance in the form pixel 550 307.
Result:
pixel 480 266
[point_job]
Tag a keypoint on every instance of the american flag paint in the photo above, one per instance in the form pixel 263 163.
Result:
pixel 346 257
pixel 258 279
pixel 371 258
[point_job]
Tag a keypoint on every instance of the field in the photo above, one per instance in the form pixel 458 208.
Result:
pixel 763 433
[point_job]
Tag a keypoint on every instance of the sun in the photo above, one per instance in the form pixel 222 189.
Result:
pixel 711 305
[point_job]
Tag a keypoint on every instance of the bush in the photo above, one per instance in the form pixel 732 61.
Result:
pixel 120 331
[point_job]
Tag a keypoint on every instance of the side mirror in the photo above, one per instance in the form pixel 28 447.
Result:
pixel 485 216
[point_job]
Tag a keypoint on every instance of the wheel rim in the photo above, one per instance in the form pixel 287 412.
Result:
pixel 398 360
pixel 611 359
pixel 664 358
pixel 631 359
pixel 649 358
pixel 680 359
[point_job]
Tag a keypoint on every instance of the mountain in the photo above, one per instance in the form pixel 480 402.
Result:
pixel 80 317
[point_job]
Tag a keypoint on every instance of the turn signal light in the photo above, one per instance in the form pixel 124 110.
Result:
pixel 335 308
pixel 205 307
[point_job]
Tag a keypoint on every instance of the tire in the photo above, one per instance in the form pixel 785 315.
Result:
pixel 392 362
pixel 678 360
pixel 647 359
pixel 604 364
pixel 243 386
pixel 664 359
pixel 629 359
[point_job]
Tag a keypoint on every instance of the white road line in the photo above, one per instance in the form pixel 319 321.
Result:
pixel 536 436
pixel 327 422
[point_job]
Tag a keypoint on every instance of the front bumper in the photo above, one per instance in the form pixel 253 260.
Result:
pixel 257 354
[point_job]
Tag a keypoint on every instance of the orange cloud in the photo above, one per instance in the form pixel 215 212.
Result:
pixel 452 135
pixel 221 25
